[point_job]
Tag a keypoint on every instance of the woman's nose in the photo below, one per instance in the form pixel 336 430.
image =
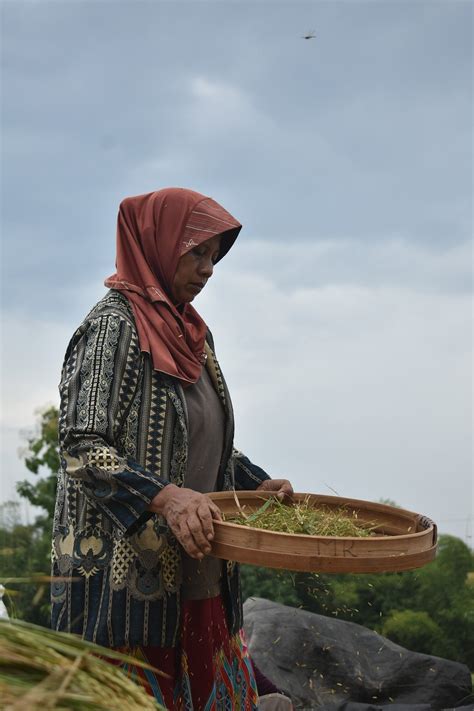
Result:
pixel 206 268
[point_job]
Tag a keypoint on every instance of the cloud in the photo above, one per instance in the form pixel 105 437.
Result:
pixel 365 388
pixel 348 161
pixel 395 261
pixel 360 384
pixel 219 94
pixel 32 354
pixel 351 135
pixel 32 359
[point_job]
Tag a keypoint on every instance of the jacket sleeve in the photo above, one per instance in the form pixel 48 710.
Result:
pixel 101 374
pixel 247 475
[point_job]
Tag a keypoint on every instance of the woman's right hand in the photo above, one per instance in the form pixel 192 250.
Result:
pixel 189 514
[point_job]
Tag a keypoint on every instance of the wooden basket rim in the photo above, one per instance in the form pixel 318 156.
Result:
pixel 410 515
pixel 411 536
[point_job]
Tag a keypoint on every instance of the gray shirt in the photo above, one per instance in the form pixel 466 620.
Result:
pixel 206 423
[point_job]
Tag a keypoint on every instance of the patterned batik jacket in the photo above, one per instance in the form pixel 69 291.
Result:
pixel 123 437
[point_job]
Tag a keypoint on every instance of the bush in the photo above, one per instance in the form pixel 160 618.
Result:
pixel 414 630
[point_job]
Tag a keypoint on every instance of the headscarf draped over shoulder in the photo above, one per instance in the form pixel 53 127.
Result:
pixel 153 232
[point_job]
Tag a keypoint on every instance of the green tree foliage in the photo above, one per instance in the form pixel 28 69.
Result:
pixel 428 610
pixel 447 595
pixel 277 585
pixel 24 557
pixel 414 629
pixel 41 456
pixel 25 550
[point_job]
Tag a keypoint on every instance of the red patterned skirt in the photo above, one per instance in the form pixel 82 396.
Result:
pixel 209 671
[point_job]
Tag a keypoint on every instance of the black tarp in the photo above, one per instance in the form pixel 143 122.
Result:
pixel 325 663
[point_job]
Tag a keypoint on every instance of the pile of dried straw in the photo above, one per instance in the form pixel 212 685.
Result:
pixel 42 669
pixel 303 518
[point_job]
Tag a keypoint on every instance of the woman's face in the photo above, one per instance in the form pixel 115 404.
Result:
pixel 194 269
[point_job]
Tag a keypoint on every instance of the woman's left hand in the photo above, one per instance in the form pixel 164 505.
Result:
pixel 282 487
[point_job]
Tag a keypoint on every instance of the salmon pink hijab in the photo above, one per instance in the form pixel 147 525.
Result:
pixel 153 232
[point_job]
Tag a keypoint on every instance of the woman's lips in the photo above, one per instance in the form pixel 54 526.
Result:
pixel 196 287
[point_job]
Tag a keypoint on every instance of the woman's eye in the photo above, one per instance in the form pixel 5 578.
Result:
pixel 201 252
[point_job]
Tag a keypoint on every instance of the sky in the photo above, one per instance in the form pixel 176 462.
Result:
pixel 343 314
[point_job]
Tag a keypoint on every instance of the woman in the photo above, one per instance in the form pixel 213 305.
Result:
pixel 146 429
